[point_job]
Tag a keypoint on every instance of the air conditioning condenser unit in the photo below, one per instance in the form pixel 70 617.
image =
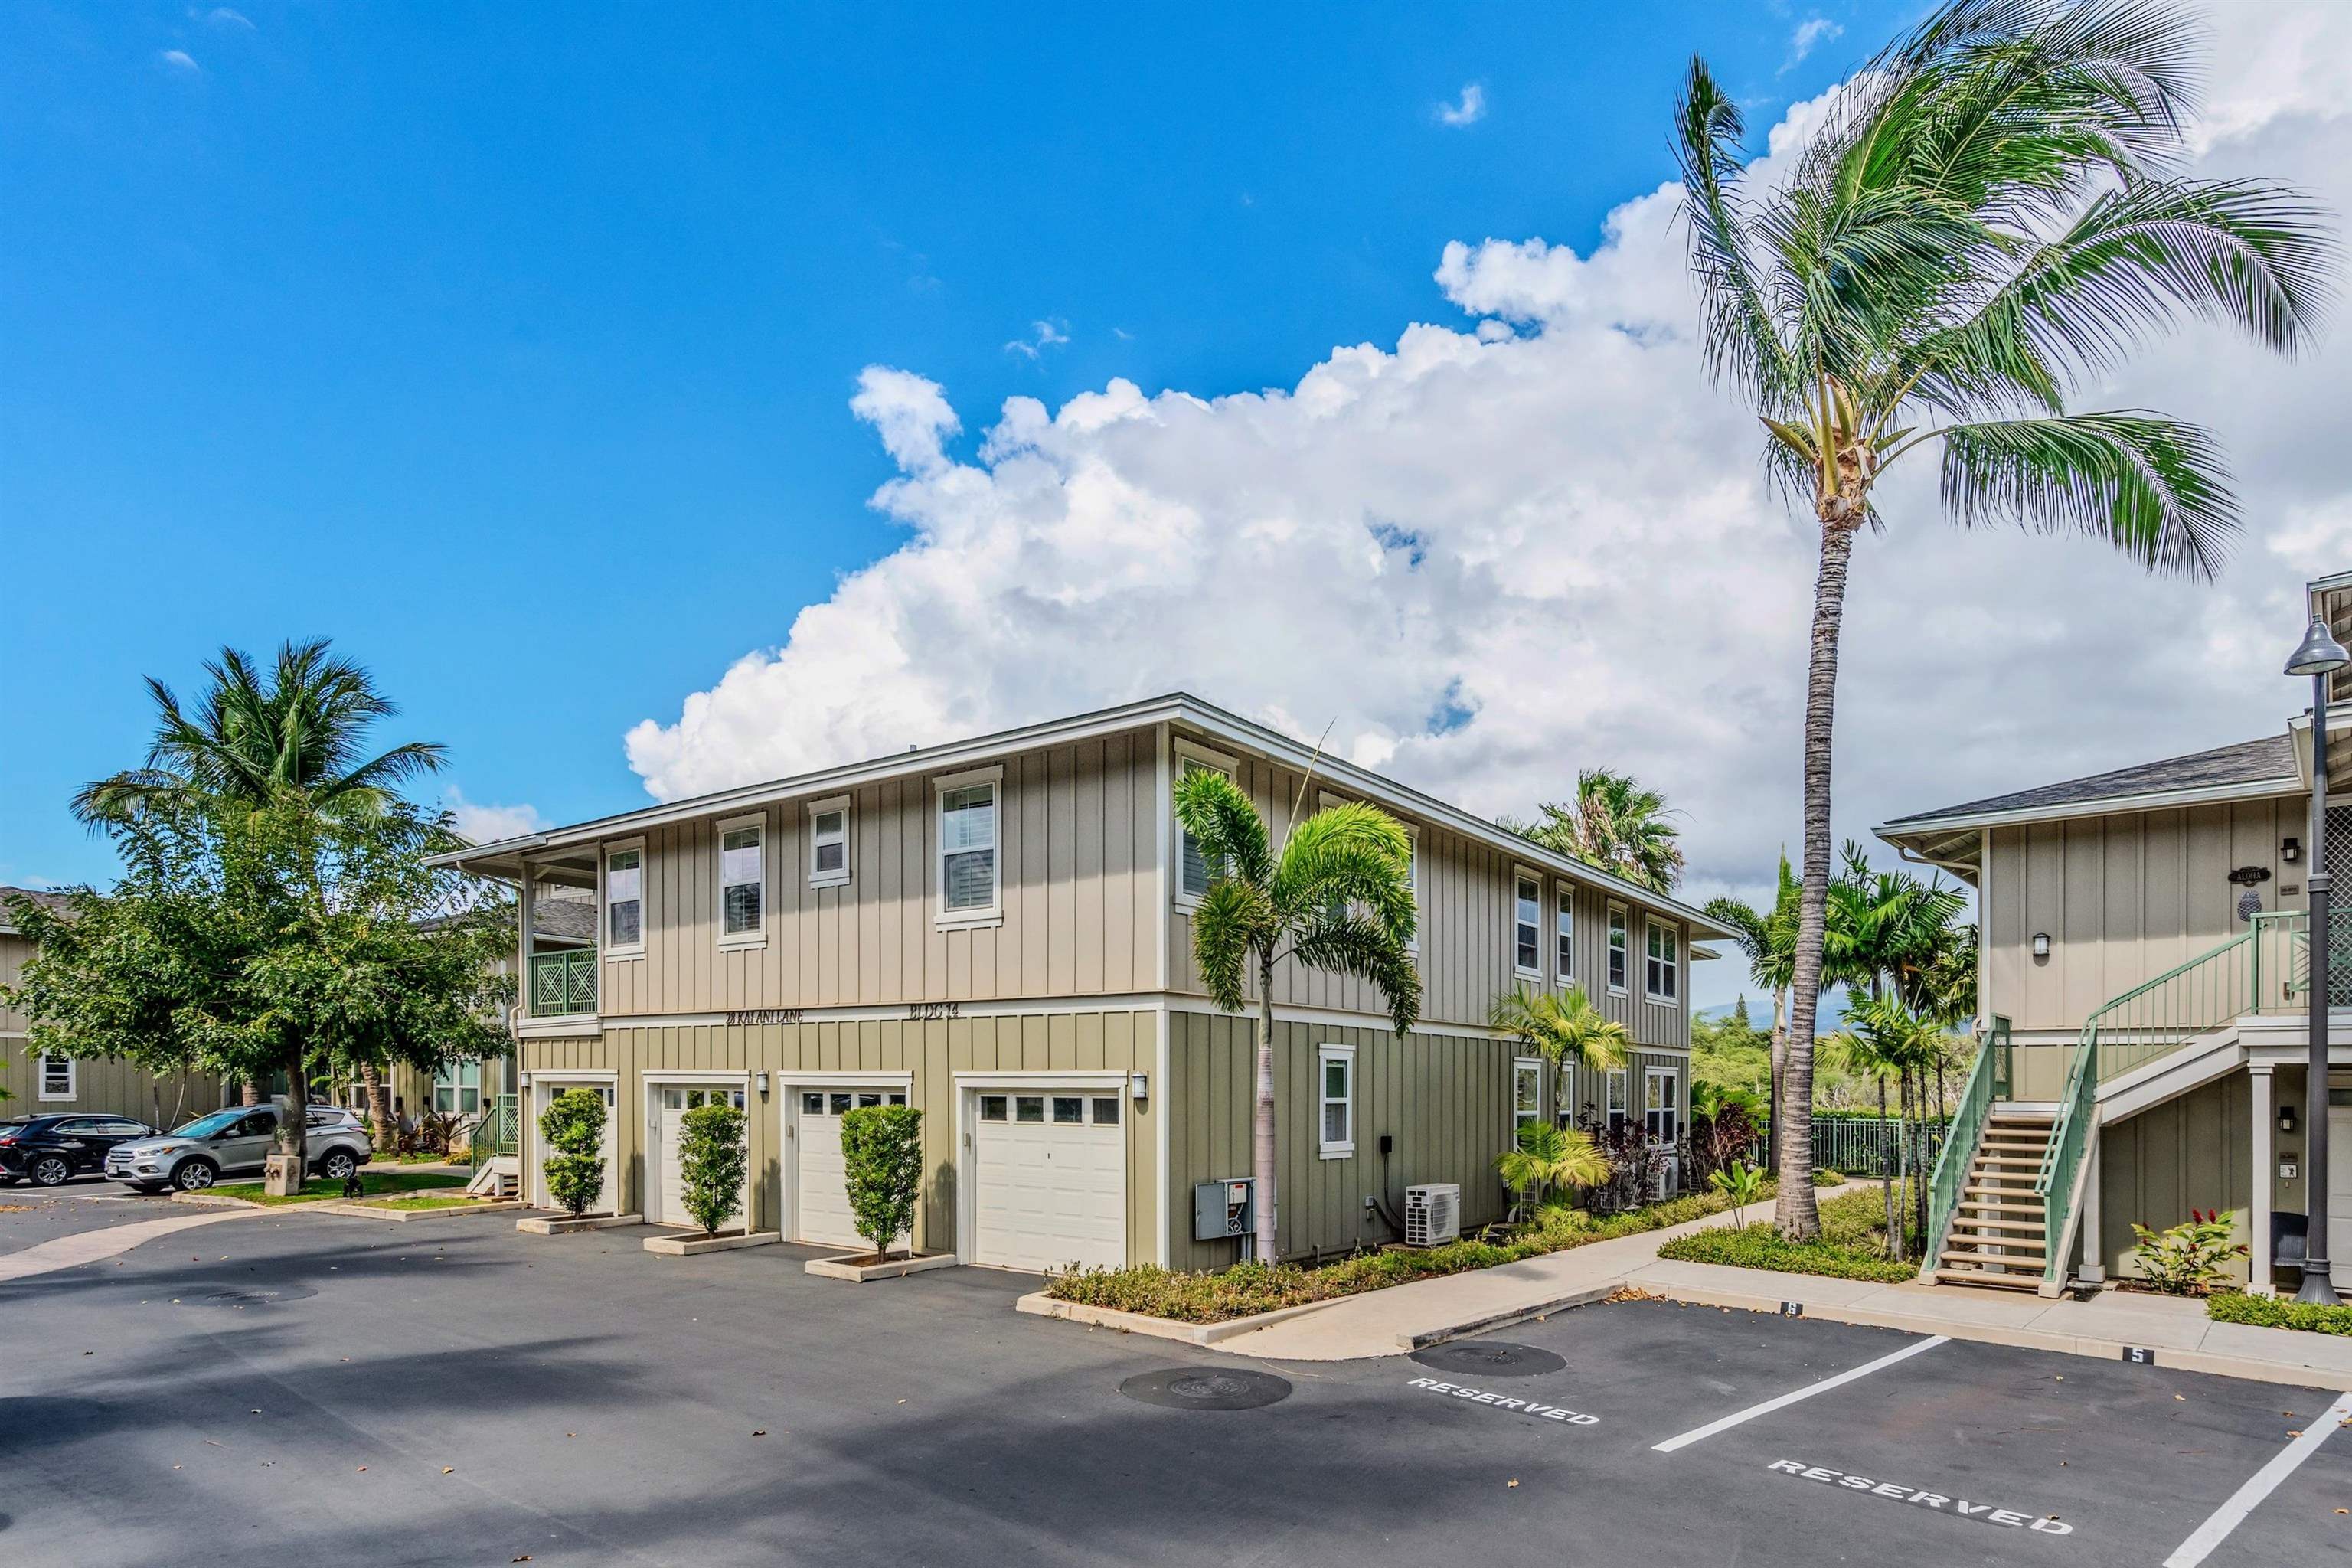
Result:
pixel 1433 1214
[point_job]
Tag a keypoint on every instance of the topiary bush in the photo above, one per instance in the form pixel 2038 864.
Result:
pixel 882 1150
pixel 574 1128
pixel 710 1163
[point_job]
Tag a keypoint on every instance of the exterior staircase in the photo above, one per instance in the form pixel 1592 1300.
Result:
pixel 1998 1232
pixel 500 1176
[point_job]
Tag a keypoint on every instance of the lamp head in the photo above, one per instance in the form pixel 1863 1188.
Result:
pixel 2320 653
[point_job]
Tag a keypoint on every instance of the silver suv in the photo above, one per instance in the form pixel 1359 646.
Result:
pixel 235 1143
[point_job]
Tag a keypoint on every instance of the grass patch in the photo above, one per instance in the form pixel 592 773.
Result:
pixel 1853 1245
pixel 428 1201
pixel 319 1189
pixel 2271 1312
pixel 462 1157
pixel 1246 1288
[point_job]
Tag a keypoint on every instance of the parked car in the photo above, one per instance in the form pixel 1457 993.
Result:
pixel 49 1151
pixel 235 1143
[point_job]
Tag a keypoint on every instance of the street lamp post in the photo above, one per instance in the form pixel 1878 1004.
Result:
pixel 2320 657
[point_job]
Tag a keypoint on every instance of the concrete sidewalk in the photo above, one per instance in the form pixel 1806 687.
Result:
pixel 2175 1331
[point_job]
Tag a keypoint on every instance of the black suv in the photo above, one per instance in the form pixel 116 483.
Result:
pixel 49 1151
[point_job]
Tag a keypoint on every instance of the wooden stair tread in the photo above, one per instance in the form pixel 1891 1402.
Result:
pixel 1983 1277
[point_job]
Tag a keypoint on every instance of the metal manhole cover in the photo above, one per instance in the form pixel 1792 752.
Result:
pixel 1489 1358
pixel 1206 1389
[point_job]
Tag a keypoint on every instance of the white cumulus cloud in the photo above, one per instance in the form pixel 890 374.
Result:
pixel 1467 110
pixel 1492 551
pixel 485 824
pixel 1811 34
pixel 178 59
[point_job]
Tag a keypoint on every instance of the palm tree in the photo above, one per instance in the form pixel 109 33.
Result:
pixel 291 738
pixel 1337 896
pixel 1882 1039
pixel 1992 211
pixel 1563 1027
pixel 1768 937
pixel 1616 824
pixel 1545 1156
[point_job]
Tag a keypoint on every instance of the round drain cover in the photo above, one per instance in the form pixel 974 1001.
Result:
pixel 1489 1358
pixel 1206 1389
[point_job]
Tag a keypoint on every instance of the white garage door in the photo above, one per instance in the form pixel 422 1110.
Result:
pixel 820 1184
pixel 1050 1183
pixel 547 1093
pixel 668 1185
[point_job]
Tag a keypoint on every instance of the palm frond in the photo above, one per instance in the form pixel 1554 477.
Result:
pixel 1232 923
pixel 2154 488
pixel 1349 855
pixel 1739 343
pixel 1342 943
pixel 1225 824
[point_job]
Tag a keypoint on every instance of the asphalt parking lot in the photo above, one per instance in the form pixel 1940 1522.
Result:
pixel 451 1391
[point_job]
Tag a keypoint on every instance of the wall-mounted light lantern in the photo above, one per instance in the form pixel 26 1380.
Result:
pixel 761 1080
pixel 1138 1085
pixel 2291 850
pixel 2042 944
pixel 522 1080
pixel 2287 1119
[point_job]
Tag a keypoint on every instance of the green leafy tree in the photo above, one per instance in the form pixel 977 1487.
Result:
pixel 1337 896
pixel 711 1163
pixel 1546 1155
pixel 572 1128
pixel 1992 213
pixel 882 1157
pixel 1563 1027
pixel 1614 824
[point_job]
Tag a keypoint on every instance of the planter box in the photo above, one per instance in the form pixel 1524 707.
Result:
pixel 378 1211
pixel 891 1268
pixel 564 1225
pixel 689 1245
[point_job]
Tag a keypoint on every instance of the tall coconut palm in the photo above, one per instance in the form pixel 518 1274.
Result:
pixel 1336 896
pixel 1768 937
pixel 1564 1028
pixel 1614 824
pixel 1992 211
pixel 290 738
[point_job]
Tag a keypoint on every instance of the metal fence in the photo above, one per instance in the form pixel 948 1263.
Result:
pixel 1863 1146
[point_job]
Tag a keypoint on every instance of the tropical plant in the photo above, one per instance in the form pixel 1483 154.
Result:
pixel 1615 825
pixel 1725 1120
pixel 711 1162
pixel 1768 937
pixel 2191 1257
pixel 1336 896
pixel 1740 1183
pixel 1885 1039
pixel 573 1127
pixel 882 1156
pixel 1563 1027
pixel 1990 213
pixel 1546 1155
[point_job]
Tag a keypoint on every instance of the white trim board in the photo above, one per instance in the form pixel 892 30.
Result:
pixel 889 1077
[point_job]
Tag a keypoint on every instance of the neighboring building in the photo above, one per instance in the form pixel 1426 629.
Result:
pixel 2158 913
pixel 40 1085
pixel 997 931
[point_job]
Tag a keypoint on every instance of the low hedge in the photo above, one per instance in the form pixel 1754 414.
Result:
pixel 1851 1246
pixel 2273 1312
pixel 1247 1289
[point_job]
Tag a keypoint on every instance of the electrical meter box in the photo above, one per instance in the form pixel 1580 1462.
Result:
pixel 1222 1209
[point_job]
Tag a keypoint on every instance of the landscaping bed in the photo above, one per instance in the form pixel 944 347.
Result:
pixel 1853 1245
pixel 379 1184
pixel 1248 1288
pixel 2271 1312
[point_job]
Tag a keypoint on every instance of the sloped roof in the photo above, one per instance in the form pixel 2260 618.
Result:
pixel 47 900
pixel 2267 760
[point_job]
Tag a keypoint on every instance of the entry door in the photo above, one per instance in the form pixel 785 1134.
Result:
pixel 669 1185
pixel 605 1202
pixel 820 1180
pixel 1050 1180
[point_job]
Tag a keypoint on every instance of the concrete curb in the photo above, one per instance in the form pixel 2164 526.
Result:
pixel 895 1268
pixel 215 1201
pixel 1039 1304
pixel 692 1246
pixel 564 1225
pixel 1503 1319
pixel 376 1211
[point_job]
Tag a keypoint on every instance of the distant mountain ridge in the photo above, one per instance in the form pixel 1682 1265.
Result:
pixel 1828 1019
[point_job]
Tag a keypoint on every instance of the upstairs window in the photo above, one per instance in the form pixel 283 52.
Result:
pixel 1563 941
pixel 1661 974
pixel 829 843
pixel 57 1077
pixel 1528 927
pixel 1616 948
pixel 742 878
pixel 625 900
pixel 1193 872
pixel 967 845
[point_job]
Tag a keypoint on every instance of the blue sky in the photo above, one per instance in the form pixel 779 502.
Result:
pixel 510 345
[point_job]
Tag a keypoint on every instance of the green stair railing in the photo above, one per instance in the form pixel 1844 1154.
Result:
pixel 563 983
pixel 499 1131
pixel 1988 1082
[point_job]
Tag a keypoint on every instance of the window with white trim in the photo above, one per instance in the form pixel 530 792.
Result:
pixel 1527 923
pixel 968 870
pixel 457 1088
pixel 625 900
pixel 828 842
pixel 1616 1109
pixel 1662 968
pixel 743 879
pixel 1335 1073
pixel 1193 872
pixel 1617 956
pixel 57 1077
pixel 1527 1092
pixel 1662 1104
pixel 1563 929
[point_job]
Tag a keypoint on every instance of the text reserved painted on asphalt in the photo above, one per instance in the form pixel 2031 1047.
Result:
pixel 1504 1402
pixel 1983 1512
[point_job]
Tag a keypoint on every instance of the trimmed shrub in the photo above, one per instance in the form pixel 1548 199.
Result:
pixel 711 1162
pixel 2273 1312
pixel 882 1153
pixel 1853 1245
pixel 574 1128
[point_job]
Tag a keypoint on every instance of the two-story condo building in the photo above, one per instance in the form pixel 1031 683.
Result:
pixel 2143 965
pixel 997 930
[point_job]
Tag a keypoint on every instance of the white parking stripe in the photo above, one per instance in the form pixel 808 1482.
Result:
pixel 2260 1484
pixel 1824 1387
